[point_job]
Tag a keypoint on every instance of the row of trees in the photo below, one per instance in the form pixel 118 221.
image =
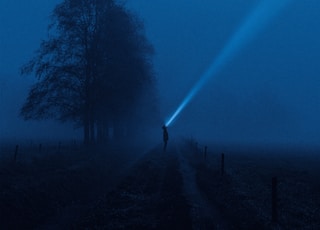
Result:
pixel 95 69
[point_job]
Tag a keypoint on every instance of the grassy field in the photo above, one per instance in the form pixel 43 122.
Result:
pixel 244 192
pixel 57 185
pixel 55 182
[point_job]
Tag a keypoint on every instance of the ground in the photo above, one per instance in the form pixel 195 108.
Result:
pixel 65 187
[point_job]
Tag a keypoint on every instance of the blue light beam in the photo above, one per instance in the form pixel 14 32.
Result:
pixel 264 12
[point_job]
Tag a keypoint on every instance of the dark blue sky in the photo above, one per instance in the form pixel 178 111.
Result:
pixel 270 91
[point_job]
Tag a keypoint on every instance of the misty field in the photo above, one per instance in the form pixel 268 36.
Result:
pixel 50 184
pixel 61 186
pixel 244 193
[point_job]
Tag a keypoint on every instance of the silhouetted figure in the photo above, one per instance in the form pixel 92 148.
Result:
pixel 165 137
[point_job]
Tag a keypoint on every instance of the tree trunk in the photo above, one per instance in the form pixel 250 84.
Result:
pixel 92 130
pixel 86 132
pixel 99 131
pixel 102 131
pixel 86 124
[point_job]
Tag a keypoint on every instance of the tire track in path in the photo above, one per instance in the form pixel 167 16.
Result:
pixel 149 197
pixel 203 215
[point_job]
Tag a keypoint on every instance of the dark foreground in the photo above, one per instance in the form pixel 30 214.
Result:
pixel 178 189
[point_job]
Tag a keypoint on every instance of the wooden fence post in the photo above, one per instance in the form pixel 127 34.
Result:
pixel 222 163
pixel 274 199
pixel 205 152
pixel 196 145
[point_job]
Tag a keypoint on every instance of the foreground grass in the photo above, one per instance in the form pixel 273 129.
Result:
pixel 57 184
pixel 243 193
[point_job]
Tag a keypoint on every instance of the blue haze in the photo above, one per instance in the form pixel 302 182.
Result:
pixel 268 93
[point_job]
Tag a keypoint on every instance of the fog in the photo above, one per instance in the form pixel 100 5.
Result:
pixel 268 92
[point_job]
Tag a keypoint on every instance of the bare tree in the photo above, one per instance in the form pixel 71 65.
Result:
pixel 92 69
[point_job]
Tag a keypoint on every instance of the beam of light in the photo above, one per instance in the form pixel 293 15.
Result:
pixel 264 12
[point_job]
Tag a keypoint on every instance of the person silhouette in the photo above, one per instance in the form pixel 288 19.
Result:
pixel 165 137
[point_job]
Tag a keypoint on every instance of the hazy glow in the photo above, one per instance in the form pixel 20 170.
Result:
pixel 252 25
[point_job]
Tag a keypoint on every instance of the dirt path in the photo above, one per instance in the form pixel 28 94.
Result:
pixel 160 192
pixel 149 197
pixel 204 215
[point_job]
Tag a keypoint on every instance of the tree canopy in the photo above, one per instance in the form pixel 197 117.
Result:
pixel 94 69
